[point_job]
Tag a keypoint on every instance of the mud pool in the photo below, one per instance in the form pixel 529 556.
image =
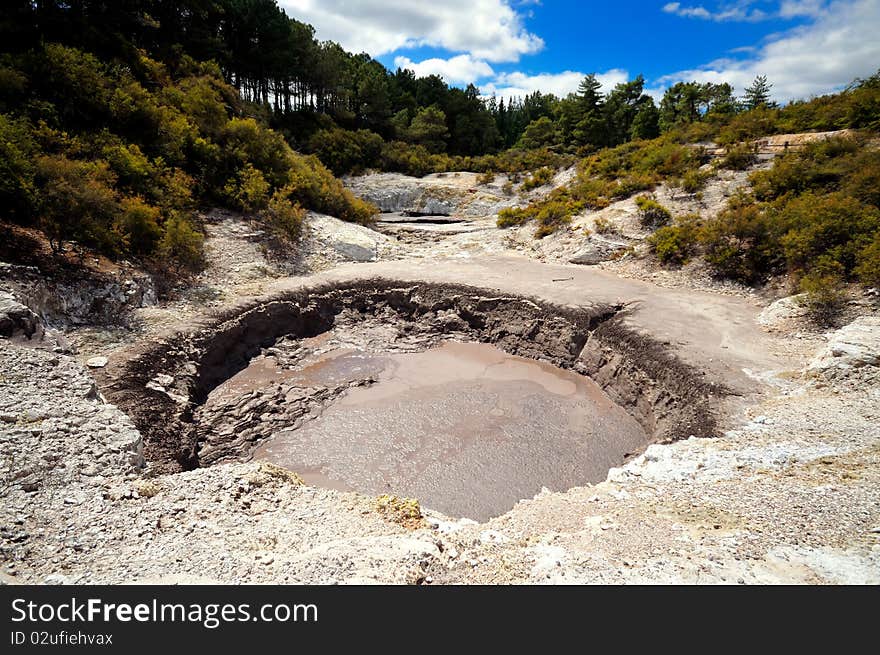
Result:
pixel 465 427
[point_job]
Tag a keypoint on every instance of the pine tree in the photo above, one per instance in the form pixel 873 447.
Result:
pixel 590 126
pixel 645 125
pixel 758 94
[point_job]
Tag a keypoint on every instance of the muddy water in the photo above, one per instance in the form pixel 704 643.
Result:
pixel 464 427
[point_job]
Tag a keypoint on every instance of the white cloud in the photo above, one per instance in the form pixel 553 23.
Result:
pixel 840 45
pixel 516 84
pixel 462 69
pixel 795 8
pixel 489 30
pixel 735 11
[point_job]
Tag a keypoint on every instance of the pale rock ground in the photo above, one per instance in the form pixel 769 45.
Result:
pixel 789 494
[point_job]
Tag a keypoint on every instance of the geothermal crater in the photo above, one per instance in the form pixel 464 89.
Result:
pixel 463 398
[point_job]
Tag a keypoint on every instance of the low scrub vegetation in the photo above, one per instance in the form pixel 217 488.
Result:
pixel 676 244
pixel 651 213
pixel 814 215
pixel 116 158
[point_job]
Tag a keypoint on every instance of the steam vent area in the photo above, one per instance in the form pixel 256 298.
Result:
pixel 469 399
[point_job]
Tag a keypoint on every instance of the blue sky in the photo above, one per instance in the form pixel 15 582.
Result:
pixel 511 47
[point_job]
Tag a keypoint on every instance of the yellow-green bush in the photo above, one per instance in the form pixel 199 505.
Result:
pixel 513 216
pixel 344 151
pixel 17 150
pixel 823 290
pixel 652 213
pixel 821 166
pixel 676 244
pixel 553 215
pixel 657 158
pixel 138 222
pixel 742 243
pixel 738 157
pixel 694 180
pixel 627 186
pixel 77 202
pixel 835 227
pixel 868 263
pixel 537 179
pixel 182 245
pixel 311 185
pixel 248 190
pixel 749 125
pixel 246 141
pixel 283 216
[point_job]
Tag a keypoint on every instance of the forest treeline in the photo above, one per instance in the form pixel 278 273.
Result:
pixel 353 113
pixel 118 119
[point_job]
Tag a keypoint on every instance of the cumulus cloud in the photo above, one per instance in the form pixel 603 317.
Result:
pixel 516 84
pixel 462 69
pixel 840 45
pixel 488 30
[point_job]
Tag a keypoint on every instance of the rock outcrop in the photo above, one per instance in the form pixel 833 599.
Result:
pixel 17 319
pixel 82 297
pixel 443 194
pixel 852 352
pixel 344 241
pixel 597 250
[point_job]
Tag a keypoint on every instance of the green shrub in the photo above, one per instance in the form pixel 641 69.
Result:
pixel 818 167
pixel 182 245
pixel 868 263
pixel 823 291
pixel 311 185
pixel 77 203
pixel 245 141
pixel 138 222
pixel 694 181
pixel 676 244
pixel 749 125
pixel 742 243
pixel 834 226
pixel 651 213
pixel 344 151
pixel 132 167
pixel 656 159
pixel 863 180
pixel 486 178
pixel 248 190
pixel 593 192
pixel 738 157
pixel 284 217
pixel 632 184
pixel 400 157
pixel 17 151
pixel 551 216
pixel 539 178
pixel 513 216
